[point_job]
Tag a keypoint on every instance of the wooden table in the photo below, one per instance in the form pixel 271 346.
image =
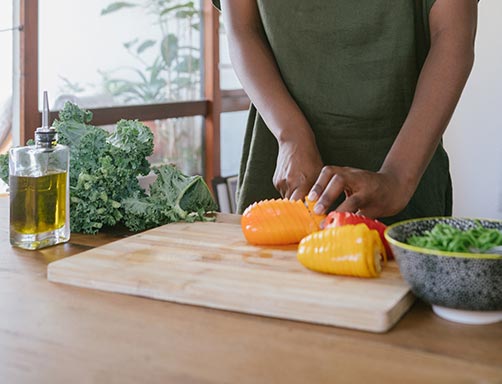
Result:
pixel 52 333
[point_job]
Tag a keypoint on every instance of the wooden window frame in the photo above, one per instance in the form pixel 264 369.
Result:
pixel 215 102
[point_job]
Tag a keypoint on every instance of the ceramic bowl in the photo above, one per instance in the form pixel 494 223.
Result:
pixel 464 287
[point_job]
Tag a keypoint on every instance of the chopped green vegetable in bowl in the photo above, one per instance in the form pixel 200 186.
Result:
pixel 445 237
pixel 446 261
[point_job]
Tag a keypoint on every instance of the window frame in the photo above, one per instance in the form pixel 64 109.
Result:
pixel 215 102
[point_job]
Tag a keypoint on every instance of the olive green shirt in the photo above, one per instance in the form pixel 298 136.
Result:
pixel 352 67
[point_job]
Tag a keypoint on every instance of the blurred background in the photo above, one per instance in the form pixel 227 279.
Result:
pixel 166 63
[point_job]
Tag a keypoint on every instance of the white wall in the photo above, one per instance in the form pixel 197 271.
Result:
pixel 474 137
pixel 233 124
pixel 5 50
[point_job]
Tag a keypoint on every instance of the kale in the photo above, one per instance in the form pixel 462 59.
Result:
pixel 73 123
pixel 104 170
pixel 4 167
pixel 173 197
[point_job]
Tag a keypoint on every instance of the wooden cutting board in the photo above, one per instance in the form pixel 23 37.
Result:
pixel 212 265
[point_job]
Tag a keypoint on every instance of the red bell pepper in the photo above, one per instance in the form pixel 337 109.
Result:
pixel 337 219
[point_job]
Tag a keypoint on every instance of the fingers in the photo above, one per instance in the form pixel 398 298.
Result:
pixel 282 187
pixel 292 192
pixel 299 193
pixel 329 185
pixel 351 204
pixel 321 183
pixel 295 189
pixel 376 211
pixel 366 192
pixel 371 213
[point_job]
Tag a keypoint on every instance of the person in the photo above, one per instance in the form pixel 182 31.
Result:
pixel 350 100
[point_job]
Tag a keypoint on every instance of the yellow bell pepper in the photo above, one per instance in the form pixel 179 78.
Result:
pixel 353 250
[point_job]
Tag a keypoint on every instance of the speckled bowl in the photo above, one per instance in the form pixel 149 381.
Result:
pixel 464 287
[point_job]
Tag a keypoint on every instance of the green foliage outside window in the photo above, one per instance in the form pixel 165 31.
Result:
pixel 174 73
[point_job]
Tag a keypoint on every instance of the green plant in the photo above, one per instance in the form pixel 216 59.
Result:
pixel 4 167
pixel 174 73
pixel 69 86
pixel 168 69
pixel 104 171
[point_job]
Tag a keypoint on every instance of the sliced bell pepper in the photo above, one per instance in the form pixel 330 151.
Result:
pixel 352 250
pixel 337 219
pixel 279 222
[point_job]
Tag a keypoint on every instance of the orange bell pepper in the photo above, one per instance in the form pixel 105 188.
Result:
pixel 279 222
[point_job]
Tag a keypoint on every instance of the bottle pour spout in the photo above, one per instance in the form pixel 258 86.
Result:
pixel 45 136
pixel 45 111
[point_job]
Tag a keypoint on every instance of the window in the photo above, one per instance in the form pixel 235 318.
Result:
pixel 119 53
pixel 7 29
pixel 178 141
pixel 227 75
pixel 120 61
pixel 233 125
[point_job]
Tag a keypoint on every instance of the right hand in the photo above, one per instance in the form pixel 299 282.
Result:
pixel 298 165
pixel 371 194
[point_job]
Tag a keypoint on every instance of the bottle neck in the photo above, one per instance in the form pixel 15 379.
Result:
pixel 45 145
pixel 45 138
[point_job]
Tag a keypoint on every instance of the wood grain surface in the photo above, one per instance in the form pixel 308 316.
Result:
pixel 56 333
pixel 212 265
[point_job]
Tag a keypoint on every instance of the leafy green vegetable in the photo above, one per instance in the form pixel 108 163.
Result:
pixel 72 124
pixel 103 166
pixel 173 197
pixel 4 167
pixel 104 170
pixel 444 237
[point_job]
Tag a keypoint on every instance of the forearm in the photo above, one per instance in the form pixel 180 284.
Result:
pixel 438 90
pixel 257 70
pixel 388 191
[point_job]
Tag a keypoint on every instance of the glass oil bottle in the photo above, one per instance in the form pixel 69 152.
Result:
pixel 39 190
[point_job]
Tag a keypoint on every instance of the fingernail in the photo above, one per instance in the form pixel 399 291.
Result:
pixel 312 196
pixel 318 209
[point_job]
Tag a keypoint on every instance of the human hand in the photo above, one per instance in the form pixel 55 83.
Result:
pixel 372 194
pixel 298 165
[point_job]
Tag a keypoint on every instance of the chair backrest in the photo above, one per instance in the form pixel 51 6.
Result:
pixel 225 190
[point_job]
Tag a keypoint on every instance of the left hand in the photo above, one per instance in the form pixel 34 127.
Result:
pixel 372 194
pixel 298 164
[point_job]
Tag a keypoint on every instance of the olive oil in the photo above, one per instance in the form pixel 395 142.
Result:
pixel 39 190
pixel 38 204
